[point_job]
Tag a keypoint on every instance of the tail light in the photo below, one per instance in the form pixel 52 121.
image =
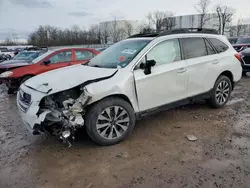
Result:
pixel 238 56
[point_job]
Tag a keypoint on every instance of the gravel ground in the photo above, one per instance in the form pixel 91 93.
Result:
pixel 157 154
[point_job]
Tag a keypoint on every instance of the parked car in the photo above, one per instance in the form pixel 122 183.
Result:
pixel 13 74
pixel 129 80
pixel 4 57
pixel 245 54
pixel 8 52
pixel 233 40
pixel 242 43
pixel 22 59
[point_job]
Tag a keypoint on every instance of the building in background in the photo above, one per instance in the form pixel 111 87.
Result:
pixel 193 21
pixel 242 29
pixel 116 30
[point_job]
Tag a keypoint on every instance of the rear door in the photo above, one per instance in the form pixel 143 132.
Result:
pixel 59 59
pixel 82 56
pixel 202 61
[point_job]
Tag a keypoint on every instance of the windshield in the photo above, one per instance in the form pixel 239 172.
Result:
pixel 244 41
pixel 119 54
pixel 26 56
pixel 42 56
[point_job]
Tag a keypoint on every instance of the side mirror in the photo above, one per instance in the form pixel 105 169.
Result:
pixel 148 65
pixel 46 62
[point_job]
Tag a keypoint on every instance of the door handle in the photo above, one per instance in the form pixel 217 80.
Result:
pixel 216 61
pixel 181 70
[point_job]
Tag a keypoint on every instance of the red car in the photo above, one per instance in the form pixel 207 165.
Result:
pixel 13 75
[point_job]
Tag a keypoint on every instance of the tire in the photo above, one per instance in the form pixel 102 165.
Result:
pixel 220 97
pixel 98 115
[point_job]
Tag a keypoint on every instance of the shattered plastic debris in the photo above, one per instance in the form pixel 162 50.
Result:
pixel 191 138
pixel 67 102
pixel 43 115
pixel 76 108
pixel 77 120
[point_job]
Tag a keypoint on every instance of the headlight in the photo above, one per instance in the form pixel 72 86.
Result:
pixel 6 74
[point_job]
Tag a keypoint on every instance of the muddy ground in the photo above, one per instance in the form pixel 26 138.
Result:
pixel 156 155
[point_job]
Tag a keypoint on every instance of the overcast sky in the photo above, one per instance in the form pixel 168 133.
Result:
pixel 23 16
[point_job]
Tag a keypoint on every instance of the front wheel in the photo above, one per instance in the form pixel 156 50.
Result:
pixel 110 121
pixel 220 93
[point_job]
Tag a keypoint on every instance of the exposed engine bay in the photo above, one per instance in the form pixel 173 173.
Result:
pixel 63 113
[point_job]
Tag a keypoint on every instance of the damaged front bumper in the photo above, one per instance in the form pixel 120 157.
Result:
pixel 37 120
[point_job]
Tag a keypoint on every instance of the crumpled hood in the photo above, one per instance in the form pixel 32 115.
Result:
pixel 13 63
pixel 67 78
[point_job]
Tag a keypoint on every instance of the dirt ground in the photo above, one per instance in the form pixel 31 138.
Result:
pixel 157 154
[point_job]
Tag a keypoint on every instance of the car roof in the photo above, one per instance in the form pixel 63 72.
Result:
pixel 68 48
pixel 30 51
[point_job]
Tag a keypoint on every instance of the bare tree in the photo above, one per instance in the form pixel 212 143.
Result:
pixel 202 7
pixel 169 23
pixel 158 19
pixel 240 27
pixel 143 28
pixel 224 15
pixel 128 28
pixel 116 31
pixel 104 31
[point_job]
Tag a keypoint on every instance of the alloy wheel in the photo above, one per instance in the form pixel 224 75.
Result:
pixel 113 122
pixel 222 92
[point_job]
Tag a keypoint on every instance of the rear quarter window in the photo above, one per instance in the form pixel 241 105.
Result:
pixel 194 47
pixel 219 45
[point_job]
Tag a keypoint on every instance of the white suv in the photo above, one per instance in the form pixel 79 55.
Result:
pixel 132 78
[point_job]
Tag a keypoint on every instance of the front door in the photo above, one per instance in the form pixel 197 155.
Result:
pixel 59 60
pixel 168 80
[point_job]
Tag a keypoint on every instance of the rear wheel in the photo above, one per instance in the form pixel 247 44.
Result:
pixel 220 93
pixel 110 121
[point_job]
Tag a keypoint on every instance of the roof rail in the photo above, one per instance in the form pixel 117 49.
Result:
pixel 177 31
pixel 144 35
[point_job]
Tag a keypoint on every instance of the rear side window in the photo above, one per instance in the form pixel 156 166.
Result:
pixel 82 55
pixel 219 45
pixel 194 47
pixel 210 49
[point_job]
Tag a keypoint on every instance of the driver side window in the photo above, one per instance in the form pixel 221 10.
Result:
pixel 61 57
pixel 165 52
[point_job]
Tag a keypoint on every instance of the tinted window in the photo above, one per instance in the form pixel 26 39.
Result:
pixel 165 52
pixel 210 49
pixel 219 45
pixel 61 57
pixel 243 40
pixel 83 55
pixel 26 56
pixel 194 47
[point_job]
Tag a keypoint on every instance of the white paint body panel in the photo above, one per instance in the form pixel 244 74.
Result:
pixel 167 83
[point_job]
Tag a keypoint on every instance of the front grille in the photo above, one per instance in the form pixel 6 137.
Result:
pixel 24 100
pixel 246 60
